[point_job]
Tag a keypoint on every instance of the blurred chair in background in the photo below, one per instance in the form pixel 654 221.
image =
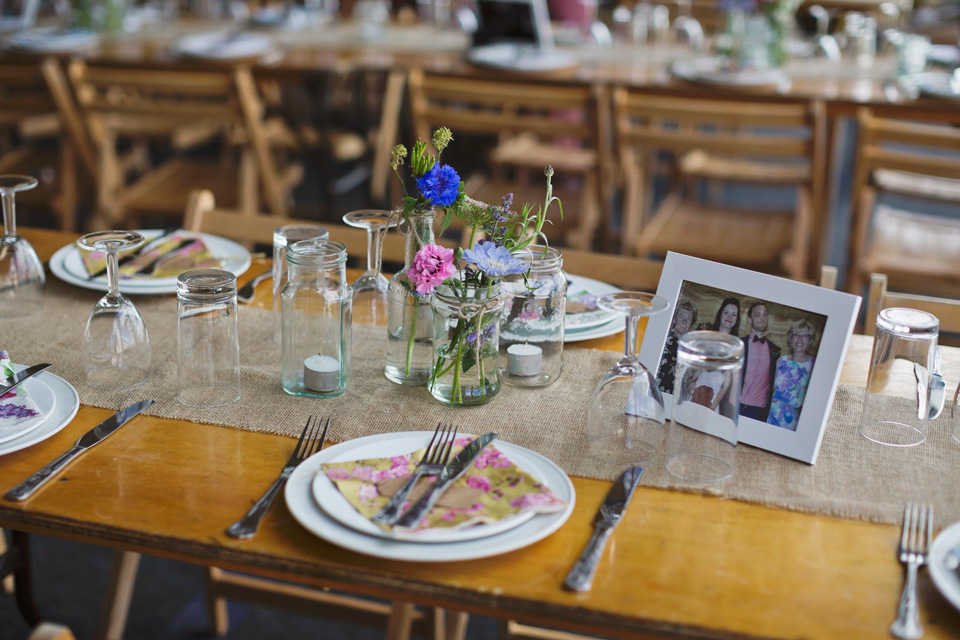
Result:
pixel 947 310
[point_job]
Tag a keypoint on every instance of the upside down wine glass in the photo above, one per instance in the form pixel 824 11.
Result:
pixel 115 339
pixel 626 422
pixel 21 273
pixel 370 289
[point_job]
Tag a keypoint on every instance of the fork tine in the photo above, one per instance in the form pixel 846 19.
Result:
pixel 318 438
pixel 436 449
pixel 905 527
pixel 427 454
pixel 449 448
pixel 303 436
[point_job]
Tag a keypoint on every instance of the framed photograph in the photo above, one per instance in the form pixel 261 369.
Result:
pixel 798 334
pixel 521 22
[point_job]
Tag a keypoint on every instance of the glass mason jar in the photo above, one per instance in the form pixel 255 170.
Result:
pixel 409 315
pixel 531 331
pixel 465 338
pixel 316 314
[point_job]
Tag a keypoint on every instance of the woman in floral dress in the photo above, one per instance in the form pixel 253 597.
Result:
pixel 792 377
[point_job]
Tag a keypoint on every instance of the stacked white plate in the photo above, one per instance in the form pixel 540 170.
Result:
pixel 316 504
pixel 53 39
pixel 67 265
pixel 57 402
pixel 712 70
pixel 219 45
pixel 594 323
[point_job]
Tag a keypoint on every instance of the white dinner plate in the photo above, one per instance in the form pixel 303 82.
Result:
pixel 335 505
pixel 53 39
pixel 66 403
pixel 67 265
pixel 711 70
pixel 611 328
pixel 937 85
pixel 524 58
pixel 304 508
pixel 221 45
pixel 594 317
pixel 946 579
pixel 43 397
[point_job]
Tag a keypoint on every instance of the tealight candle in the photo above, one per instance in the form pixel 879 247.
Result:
pixel 524 359
pixel 321 373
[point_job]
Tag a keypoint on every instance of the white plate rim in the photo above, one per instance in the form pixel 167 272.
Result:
pixel 593 318
pixel 218 245
pixel 945 579
pixel 929 84
pixel 611 328
pixel 37 390
pixel 299 498
pixel 60 417
pixel 263 42
pixel 340 509
pixel 693 70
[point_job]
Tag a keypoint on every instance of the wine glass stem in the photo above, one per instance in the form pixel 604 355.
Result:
pixel 9 214
pixel 373 250
pixel 113 286
pixel 630 335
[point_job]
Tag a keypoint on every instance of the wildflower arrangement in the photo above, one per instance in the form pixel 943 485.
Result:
pixel 438 185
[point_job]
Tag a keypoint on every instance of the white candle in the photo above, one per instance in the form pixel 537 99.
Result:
pixel 321 373
pixel 524 359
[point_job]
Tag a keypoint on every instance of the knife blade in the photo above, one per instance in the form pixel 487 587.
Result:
pixel 133 255
pixel 26 488
pixel 245 293
pixel 450 474
pixel 151 266
pixel 938 388
pixel 19 377
pixel 611 512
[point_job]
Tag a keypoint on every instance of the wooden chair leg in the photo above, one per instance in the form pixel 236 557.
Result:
pixel 116 602
pixel 456 626
pixel 7 585
pixel 401 617
pixel 216 604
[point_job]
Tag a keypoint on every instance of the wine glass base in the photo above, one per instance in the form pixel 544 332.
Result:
pixel 111 377
pixel 208 396
pixel 892 434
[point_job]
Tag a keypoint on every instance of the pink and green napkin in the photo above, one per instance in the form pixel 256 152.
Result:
pixel 171 255
pixel 16 405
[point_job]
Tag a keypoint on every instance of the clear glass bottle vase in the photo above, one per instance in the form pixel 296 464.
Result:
pixel 466 336
pixel 409 314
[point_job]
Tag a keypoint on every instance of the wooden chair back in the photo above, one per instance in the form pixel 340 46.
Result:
pixel 752 141
pixel 534 123
pixel 947 310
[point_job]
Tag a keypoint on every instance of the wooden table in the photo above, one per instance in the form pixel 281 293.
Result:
pixel 680 565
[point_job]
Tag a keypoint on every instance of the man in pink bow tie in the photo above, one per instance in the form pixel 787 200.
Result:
pixel 759 362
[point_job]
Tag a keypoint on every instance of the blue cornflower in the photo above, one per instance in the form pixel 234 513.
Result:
pixel 440 185
pixel 494 260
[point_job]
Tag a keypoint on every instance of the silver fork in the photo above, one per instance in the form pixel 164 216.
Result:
pixel 431 464
pixel 311 441
pixel 914 543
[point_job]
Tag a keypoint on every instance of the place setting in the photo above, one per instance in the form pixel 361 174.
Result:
pixel 234 44
pixel 585 320
pixel 53 39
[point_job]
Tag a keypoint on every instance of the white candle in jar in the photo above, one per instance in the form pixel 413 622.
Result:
pixel 321 373
pixel 524 359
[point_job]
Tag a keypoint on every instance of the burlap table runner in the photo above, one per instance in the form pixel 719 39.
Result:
pixel 853 477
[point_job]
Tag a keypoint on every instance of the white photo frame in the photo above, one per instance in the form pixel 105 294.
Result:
pixel 787 301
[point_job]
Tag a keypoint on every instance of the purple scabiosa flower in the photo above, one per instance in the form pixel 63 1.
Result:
pixel 440 185
pixel 494 260
pixel 431 266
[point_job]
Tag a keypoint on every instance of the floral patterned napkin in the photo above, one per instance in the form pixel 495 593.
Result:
pixel 493 489
pixel 173 254
pixel 16 406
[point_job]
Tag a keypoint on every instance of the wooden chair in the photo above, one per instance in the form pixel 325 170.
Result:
pixel 43 136
pixel 149 111
pixel 920 163
pixel 533 123
pixel 947 310
pixel 713 142
pixel 627 272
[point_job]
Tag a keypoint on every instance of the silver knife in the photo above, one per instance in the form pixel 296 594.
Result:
pixel 17 378
pixel 938 388
pixel 23 490
pixel 245 293
pixel 611 511
pixel 454 469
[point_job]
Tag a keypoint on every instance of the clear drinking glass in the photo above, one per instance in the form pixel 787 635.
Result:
pixel 208 341
pixel 896 405
pixel 115 341
pixel 283 237
pixel 702 437
pixel 625 423
pixel 370 289
pixel 21 273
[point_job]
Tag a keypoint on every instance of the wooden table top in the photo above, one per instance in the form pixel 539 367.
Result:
pixel 681 564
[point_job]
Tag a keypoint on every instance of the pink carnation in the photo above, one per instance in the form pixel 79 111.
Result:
pixel 432 265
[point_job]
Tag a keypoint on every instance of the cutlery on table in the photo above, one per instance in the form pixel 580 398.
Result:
pixel 133 255
pixel 26 488
pixel 580 577
pixel 434 459
pixel 311 440
pixel 150 267
pixel 245 293
pixel 938 387
pixel 14 380
pixel 453 470
pixel 914 544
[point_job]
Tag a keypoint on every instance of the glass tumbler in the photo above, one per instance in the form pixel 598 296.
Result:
pixel 208 341
pixel 896 405
pixel 283 237
pixel 702 437
pixel 531 333
pixel 317 312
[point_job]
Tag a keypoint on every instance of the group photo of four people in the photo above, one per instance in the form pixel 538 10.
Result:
pixel 779 351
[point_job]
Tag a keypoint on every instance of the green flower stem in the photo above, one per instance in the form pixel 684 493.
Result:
pixel 413 335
